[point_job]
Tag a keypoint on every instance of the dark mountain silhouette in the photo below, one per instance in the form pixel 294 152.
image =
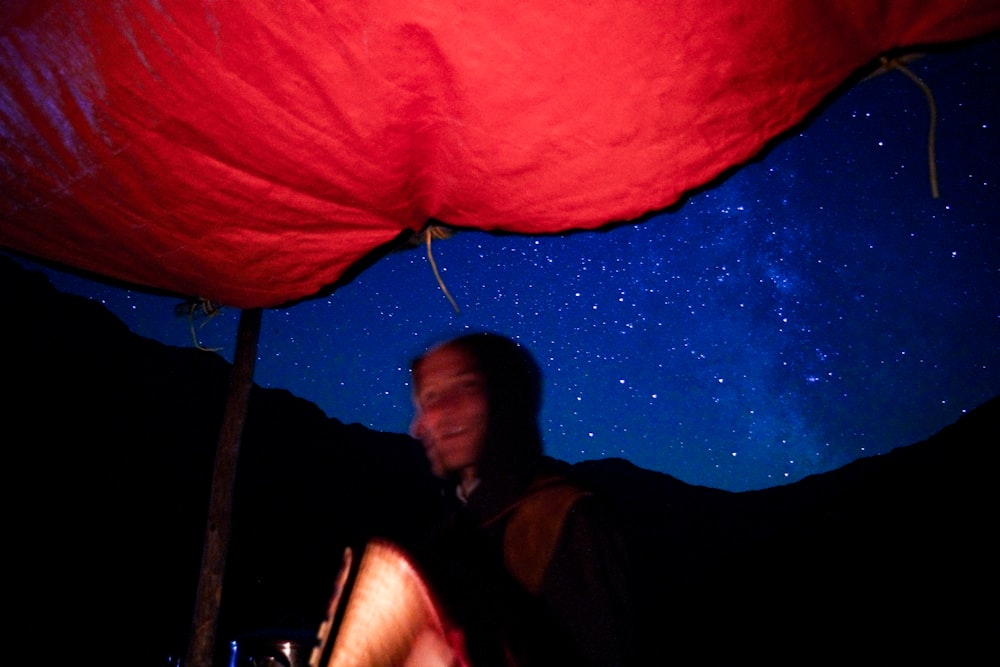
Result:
pixel 110 440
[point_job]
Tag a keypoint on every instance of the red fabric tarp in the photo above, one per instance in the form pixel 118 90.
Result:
pixel 251 152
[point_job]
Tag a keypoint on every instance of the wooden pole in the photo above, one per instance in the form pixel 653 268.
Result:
pixel 219 525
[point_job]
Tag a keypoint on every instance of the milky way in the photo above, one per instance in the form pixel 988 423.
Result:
pixel 815 306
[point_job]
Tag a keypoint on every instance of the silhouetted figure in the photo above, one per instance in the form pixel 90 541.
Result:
pixel 528 563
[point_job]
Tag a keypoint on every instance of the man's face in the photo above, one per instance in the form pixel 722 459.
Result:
pixel 451 410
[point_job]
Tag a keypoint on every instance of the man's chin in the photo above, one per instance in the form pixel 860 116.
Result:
pixel 440 471
pixel 446 474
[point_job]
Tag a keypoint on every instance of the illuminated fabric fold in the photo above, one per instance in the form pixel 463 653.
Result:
pixel 252 152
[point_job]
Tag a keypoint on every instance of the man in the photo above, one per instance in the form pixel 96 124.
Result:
pixel 527 564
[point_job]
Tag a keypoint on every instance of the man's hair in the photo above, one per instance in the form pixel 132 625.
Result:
pixel 514 390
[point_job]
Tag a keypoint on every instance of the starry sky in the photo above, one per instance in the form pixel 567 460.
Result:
pixel 815 306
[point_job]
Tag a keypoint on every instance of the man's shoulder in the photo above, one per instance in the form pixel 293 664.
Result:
pixel 533 529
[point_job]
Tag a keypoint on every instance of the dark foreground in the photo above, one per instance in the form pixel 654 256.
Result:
pixel 110 440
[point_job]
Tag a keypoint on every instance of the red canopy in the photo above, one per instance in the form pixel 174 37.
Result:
pixel 250 152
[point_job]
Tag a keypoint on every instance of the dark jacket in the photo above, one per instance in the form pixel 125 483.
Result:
pixel 534 572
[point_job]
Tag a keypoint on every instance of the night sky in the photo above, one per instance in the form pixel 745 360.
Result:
pixel 816 306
